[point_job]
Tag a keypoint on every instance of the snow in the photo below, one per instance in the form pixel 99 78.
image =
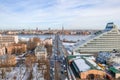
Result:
pixel 18 72
pixel 82 66
pixel 91 60
pixel 24 39
pixel 68 44
pixel 26 75
pixel 37 75
pixel 69 52
pixel 21 73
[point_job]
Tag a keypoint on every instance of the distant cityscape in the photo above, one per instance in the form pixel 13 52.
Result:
pixel 49 31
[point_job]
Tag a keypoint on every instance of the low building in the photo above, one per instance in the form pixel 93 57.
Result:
pixel 109 58
pixel 85 68
pixel 112 60
pixel 40 52
pixel 16 48
pixel 47 41
pixel 102 57
pixel 115 72
pixel 7 60
pixel 2 51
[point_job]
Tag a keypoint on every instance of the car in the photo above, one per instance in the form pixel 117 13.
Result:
pixel 62 72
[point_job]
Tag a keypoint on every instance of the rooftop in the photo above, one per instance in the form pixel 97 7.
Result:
pixel 40 49
pixel 81 64
pixel 84 63
pixel 114 70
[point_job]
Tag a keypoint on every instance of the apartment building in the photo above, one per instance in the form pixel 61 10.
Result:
pixel 5 40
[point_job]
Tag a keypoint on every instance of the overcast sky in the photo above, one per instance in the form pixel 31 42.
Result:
pixel 72 14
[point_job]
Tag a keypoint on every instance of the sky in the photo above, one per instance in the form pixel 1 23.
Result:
pixel 71 14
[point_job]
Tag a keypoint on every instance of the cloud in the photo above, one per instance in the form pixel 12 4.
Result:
pixel 81 14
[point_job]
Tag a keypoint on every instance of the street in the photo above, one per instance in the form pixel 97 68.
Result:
pixel 58 67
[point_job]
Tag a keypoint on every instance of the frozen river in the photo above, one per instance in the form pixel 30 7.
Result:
pixel 67 37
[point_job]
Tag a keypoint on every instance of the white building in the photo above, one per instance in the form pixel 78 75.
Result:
pixel 48 41
pixel 8 39
pixel 2 51
pixel 41 52
pixel 105 40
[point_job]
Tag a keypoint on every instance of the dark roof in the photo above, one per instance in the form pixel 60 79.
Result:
pixel 114 70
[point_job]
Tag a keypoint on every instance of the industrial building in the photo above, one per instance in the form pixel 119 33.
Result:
pixel 85 68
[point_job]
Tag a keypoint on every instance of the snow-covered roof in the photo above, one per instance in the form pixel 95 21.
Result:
pixel 81 64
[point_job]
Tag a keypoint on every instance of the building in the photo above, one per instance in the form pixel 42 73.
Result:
pixel 40 52
pixel 112 61
pixel 109 58
pixel 16 49
pixel 105 40
pixel 102 57
pixel 2 51
pixel 85 68
pixel 115 72
pixel 47 41
pixel 5 40
pixel 7 60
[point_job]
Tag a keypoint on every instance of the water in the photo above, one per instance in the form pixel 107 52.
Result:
pixel 74 37
pixel 67 37
pixel 39 36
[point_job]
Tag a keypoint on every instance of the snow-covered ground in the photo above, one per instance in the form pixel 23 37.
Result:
pixel 17 73
pixel 68 46
pixel 21 73
pixel 37 75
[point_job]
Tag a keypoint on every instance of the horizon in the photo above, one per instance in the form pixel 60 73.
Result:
pixel 44 14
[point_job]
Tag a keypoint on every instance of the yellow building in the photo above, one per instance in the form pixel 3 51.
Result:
pixel 16 48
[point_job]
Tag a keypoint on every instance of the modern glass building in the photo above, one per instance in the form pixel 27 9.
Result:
pixel 105 40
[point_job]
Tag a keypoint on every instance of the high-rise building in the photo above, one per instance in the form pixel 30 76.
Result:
pixel 105 40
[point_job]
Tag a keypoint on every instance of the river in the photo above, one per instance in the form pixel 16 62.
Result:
pixel 67 37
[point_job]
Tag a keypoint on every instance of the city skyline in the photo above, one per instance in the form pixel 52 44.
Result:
pixel 74 14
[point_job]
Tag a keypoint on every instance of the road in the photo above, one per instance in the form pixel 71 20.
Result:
pixel 58 67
